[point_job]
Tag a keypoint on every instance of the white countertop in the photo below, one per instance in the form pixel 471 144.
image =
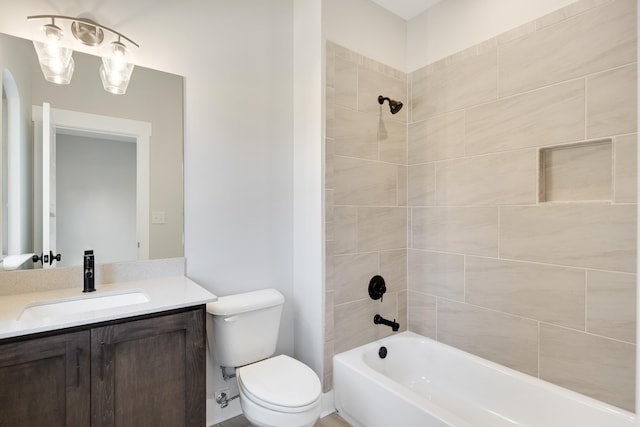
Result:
pixel 163 294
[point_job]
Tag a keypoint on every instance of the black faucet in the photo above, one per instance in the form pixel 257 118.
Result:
pixel 377 319
pixel 89 283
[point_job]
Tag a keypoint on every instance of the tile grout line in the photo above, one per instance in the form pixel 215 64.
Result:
pixel 539 346
pixel 586 299
pixel 586 106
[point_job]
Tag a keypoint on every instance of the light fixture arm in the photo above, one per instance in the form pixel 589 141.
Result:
pixel 85 22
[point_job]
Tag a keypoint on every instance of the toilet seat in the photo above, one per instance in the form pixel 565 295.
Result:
pixel 281 384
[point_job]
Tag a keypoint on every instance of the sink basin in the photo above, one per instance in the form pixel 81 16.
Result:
pixel 81 304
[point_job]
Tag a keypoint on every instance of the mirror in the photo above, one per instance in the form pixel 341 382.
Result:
pixel 86 162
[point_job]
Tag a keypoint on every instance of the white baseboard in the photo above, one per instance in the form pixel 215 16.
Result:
pixel 328 406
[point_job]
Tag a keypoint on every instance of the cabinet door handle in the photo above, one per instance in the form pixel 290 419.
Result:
pixel 101 361
pixel 78 367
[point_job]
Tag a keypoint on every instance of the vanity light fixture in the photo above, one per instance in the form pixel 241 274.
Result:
pixel 54 52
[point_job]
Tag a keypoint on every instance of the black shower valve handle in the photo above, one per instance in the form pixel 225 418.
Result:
pixel 377 287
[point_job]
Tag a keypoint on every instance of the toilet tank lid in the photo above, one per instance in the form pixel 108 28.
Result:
pixel 247 301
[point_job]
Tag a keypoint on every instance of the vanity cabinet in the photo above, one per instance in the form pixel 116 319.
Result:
pixel 149 372
pixel 144 372
pixel 45 381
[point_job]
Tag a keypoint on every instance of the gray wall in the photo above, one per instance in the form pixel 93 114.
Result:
pixel 95 199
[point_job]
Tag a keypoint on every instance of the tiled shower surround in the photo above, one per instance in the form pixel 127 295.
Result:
pixel 499 204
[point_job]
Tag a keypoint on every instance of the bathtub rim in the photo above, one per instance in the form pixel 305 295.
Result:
pixel 347 357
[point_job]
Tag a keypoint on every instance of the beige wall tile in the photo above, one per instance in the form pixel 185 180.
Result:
pixel 422 314
pixel 386 70
pixel 602 38
pixel 363 182
pixel 328 233
pixel 402 186
pixel 345 229
pixel 402 311
pixel 497 179
pixel 330 112
pixel 546 116
pixel 381 228
pixel 330 64
pixel 471 80
pixel 464 230
pixel 343 52
pixel 345 83
pixel 392 141
pixel 327 377
pixel 358 315
pixel 436 273
pixel 536 291
pixel 598 236
pixel 438 138
pixel 509 340
pixel 372 84
pixel 365 165
pixel 365 136
pixel 611 102
pixel 352 273
pixel 328 316
pixel 329 270
pixel 611 305
pixel 626 169
pixel 577 172
pixel 328 205
pixel 328 164
pixel 354 321
pixel 393 267
pixel 422 185
pixel 355 134
pixel 328 214
pixel 595 366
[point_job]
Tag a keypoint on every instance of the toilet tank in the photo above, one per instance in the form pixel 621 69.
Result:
pixel 246 326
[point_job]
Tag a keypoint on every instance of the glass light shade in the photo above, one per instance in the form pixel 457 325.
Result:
pixel 61 77
pixel 54 55
pixel 113 83
pixel 116 68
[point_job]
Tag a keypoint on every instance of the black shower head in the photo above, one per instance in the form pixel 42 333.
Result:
pixel 394 106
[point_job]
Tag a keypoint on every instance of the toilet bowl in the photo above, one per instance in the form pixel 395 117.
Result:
pixel 274 391
pixel 279 392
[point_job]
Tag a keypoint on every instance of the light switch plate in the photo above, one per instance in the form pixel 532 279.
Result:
pixel 157 217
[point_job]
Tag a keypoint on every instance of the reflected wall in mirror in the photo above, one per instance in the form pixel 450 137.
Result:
pixel 153 97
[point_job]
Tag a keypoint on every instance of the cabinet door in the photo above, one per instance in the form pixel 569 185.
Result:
pixel 149 372
pixel 45 382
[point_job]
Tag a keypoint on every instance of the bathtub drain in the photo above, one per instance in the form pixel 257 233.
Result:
pixel 382 352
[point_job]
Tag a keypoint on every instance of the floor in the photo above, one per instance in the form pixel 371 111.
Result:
pixel 332 420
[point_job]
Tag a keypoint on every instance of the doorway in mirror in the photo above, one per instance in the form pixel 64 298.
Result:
pixel 93 191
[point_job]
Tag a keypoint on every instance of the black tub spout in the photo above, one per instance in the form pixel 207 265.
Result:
pixel 379 320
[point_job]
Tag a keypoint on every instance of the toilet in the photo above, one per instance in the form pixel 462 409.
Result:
pixel 274 391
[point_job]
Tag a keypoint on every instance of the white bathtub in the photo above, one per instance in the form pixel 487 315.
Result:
pixel 423 383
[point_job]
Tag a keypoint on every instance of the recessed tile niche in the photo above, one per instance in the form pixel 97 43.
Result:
pixel 576 172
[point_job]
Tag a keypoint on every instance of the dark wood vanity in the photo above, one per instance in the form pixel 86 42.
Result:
pixel 140 371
